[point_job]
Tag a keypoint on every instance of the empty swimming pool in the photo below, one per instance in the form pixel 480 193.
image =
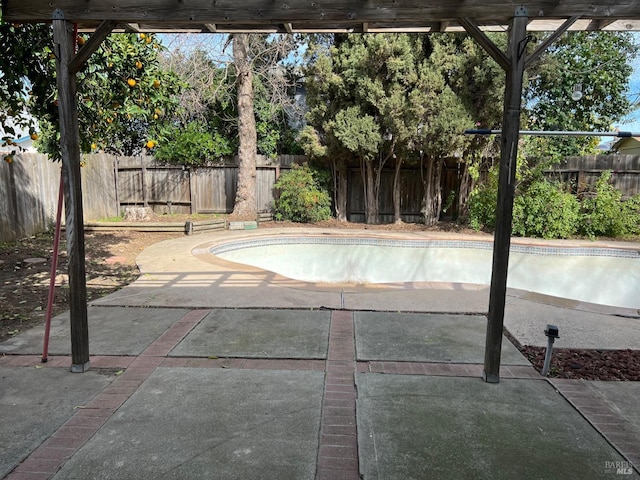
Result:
pixel 606 276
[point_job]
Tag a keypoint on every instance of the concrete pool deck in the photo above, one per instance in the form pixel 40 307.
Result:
pixel 249 378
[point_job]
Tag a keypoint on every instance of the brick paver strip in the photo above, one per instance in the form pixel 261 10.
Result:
pixel 338 443
pixel 602 416
pixel 49 457
pixel 338 449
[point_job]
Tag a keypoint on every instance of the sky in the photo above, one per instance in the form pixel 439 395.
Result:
pixel 215 43
pixel 632 124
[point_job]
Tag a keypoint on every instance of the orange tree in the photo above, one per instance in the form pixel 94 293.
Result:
pixel 122 94
pixel 122 91
pixel 26 70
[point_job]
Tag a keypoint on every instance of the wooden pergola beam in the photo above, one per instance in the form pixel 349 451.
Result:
pixel 600 24
pixel 91 46
pixel 485 42
pixel 540 49
pixel 132 28
pixel 294 11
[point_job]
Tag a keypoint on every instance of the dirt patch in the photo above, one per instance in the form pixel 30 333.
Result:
pixel 451 227
pixel 24 284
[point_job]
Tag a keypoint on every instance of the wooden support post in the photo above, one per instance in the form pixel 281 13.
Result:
pixel 506 186
pixel 64 40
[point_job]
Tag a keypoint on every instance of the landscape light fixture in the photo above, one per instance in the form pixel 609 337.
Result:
pixel 552 333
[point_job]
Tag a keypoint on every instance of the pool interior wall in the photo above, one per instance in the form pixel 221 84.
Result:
pixel 606 276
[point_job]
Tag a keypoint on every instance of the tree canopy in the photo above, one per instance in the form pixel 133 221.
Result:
pixel 580 84
pixel 210 98
pixel 122 90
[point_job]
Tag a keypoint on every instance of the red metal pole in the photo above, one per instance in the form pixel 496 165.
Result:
pixel 54 267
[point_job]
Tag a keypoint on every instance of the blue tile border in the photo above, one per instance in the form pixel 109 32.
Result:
pixel 384 242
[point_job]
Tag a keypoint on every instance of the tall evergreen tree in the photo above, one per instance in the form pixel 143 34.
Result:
pixel 382 99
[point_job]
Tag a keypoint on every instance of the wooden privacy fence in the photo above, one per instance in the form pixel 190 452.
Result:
pixel 177 189
pixel 29 187
pixel 28 195
pixel 583 172
pixel 411 193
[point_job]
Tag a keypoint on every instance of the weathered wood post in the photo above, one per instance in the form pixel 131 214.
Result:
pixel 516 55
pixel 64 40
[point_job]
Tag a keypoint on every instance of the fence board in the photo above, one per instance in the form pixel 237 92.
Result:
pixel 265 179
pixel 98 186
pixel 583 172
pixel 411 193
pixel 29 192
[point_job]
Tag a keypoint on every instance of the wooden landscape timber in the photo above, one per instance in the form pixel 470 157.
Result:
pixel 189 227
pixel 250 16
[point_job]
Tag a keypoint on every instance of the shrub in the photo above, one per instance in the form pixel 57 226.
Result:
pixel 542 209
pixel 632 215
pixel 603 213
pixel 302 197
pixel 482 203
pixel 191 145
pixel 545 210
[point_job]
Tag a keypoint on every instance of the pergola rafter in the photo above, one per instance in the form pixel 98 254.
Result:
pixel 316 16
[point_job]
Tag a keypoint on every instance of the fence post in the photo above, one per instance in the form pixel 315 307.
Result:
pixel 193 189
pixel 115 181
pixel 143 177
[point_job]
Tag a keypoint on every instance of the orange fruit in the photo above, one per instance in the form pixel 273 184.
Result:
pixel 94 146
pixel 138 64
pixel 151 144
pixel 81 41
pixel 156 83
pixel 34 136
pixel 142 36
pixel 8 159
pixel 131 82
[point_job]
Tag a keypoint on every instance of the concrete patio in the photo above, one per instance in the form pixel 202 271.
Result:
pixel 274 379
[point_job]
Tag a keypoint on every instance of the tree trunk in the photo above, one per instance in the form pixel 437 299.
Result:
pixel 466 186
pixel 340 185
pixel 370 193
pixel 397 213
pixel 432 191
pixel 245 204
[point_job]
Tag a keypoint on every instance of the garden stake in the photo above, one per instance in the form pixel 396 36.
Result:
pixel 52 280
